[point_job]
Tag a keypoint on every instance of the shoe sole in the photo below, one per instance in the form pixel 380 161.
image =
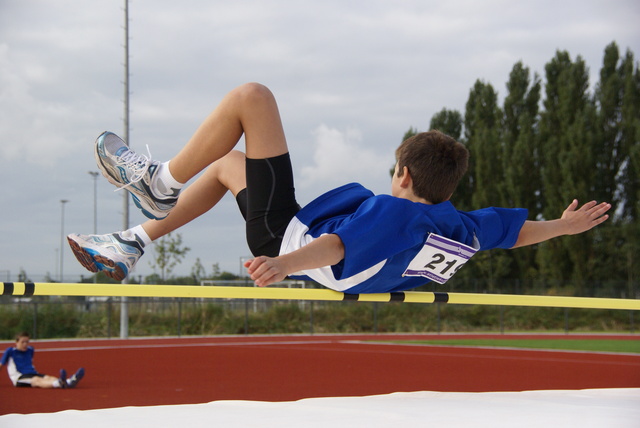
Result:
pixel 95 262
pixel 146 213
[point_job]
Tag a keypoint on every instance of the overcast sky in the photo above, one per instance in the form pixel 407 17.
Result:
pixel 351 77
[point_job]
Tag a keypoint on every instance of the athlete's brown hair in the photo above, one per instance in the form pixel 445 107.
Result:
pixel 436 163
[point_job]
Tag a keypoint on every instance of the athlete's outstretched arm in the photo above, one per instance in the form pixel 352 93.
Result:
pixel 574 220
pixel 327 250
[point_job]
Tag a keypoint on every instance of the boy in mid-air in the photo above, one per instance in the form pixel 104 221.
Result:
pixel 348 239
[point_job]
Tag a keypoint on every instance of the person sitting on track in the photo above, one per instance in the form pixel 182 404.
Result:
pixel 348 239
pixel 19 362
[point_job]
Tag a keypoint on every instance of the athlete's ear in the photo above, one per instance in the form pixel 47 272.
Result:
pixel 405 181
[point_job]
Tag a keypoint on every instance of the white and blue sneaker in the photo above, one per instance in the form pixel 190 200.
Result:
pixel 73 380
pixel 114 254
pixel 135 173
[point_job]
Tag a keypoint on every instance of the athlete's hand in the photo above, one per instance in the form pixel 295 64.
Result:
pixel 265 270
pixel 588 216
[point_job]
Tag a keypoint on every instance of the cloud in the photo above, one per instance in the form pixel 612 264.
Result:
pixel 25 117
pixel 341 156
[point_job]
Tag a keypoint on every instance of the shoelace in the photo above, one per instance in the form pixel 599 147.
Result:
pixel 135 162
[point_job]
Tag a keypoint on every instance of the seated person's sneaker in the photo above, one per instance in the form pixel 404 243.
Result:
pixel 114 254
pixel 73 380
pixel 63 378
pixel 136 173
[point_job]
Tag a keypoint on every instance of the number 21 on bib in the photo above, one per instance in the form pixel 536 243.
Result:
pixel 439 259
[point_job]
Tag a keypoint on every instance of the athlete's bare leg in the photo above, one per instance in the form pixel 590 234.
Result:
pixel 226 174
pixel 43 382
pixel 251 110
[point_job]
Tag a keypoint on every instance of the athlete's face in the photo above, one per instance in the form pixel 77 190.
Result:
pixel 22 343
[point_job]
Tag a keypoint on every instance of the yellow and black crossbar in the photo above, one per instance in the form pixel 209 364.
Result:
pixel 27 289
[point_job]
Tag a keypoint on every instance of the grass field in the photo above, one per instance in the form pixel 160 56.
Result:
pixel 595 345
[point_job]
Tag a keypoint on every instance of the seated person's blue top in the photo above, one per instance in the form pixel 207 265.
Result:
pixel 18 363
pixel 383 234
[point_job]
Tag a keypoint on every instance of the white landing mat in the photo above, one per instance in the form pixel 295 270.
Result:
pixel 602 408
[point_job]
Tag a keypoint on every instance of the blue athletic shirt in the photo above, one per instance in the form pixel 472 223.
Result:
pixel 18 362
pixel 382 234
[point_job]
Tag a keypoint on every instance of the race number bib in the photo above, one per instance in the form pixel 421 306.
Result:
pixel 439 259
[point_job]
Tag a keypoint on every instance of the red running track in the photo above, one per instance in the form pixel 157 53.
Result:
pixel 146 372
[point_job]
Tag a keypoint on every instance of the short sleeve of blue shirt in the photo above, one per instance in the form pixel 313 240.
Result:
pixel 496 227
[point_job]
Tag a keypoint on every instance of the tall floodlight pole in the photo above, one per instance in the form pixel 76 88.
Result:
pixel 62 202
pixel 94 174
pixel 124 312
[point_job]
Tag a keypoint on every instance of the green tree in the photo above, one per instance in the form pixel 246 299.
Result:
pixel 577 145
pixel 448 122
pixel 482 124
pixel 410 133
pixel 618 98
pixel 610 154
pixel 168 253
pixel 197 271
pixel 632 228
pixel 22 276
pixel 484 185
pixel 567 138
pixel 215 270
pixel 521 155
